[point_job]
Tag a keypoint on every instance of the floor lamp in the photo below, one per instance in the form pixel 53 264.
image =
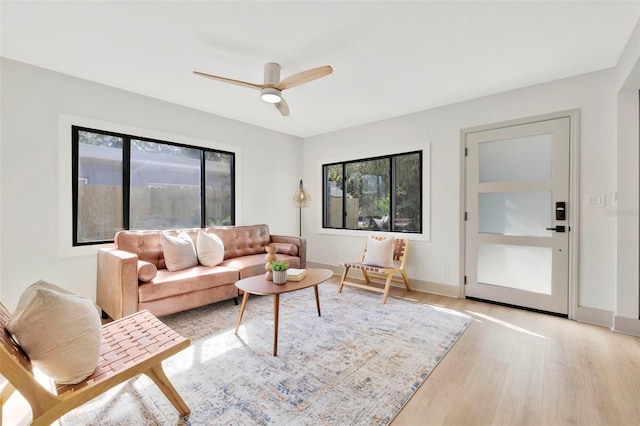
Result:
pixel 301 199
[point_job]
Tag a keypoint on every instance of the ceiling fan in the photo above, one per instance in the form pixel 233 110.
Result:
pixel 271 89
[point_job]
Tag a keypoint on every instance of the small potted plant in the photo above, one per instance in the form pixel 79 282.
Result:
pixel 279 269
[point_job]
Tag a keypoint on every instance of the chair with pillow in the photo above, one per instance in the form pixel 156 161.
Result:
pixel 382 259
pixel 61 334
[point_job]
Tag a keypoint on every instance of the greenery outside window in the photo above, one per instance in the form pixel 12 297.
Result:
pixel 128 182
pixel 374 194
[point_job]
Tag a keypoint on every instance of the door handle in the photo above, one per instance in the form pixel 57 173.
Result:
pixel 557 229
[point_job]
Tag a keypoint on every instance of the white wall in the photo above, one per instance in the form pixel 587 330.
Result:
pixel 33 100
pixel 628 111
pixel 592 93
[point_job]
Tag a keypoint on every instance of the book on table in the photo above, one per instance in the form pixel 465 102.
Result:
pixel 294 274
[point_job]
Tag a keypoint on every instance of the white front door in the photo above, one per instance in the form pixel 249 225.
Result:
pixel 517 210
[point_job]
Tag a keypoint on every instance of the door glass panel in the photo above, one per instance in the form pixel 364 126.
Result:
pixel 518 267
pixel 517 159
pixel 515 213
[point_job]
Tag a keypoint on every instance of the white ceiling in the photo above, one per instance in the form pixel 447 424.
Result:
pixel 389 58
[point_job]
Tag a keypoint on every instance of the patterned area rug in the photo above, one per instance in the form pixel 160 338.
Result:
pixel 357 364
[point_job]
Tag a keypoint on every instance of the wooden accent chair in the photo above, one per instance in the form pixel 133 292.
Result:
pixel 132 345
pixel 388 275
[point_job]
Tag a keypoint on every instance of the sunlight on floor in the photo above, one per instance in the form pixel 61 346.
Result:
pixel 505 324
pixel 210 348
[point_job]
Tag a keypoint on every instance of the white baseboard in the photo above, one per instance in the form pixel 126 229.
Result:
pixel 418 285
pixel 626 325
pixel 595 316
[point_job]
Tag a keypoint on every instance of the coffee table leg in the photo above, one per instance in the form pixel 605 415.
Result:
pixel 276 311
pixel 315 288
pixel 244 303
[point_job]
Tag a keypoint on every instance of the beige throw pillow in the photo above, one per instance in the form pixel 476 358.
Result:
pixel 59 331
pixel 210 249
pixel 179 252
pixel 379 252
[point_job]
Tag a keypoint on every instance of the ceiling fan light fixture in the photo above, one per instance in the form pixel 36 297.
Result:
pixel 271 95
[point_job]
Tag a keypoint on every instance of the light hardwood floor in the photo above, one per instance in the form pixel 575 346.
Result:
pixel 514 367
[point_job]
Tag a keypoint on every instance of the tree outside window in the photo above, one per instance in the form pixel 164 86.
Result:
pixel 382 194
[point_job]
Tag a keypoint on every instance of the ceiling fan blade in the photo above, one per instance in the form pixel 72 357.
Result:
pixel 304 77
pixel 232 81
pixel 283 107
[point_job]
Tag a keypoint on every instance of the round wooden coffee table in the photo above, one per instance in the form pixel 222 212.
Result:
pixel 259 285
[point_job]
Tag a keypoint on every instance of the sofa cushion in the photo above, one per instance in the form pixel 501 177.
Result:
pixel 210 248
pixel 242 240
pixel 146 245
pixel 286 248
pixel 179 252
pixel 168 284
pixel 59 331
pixel 251 265
pixel 146 271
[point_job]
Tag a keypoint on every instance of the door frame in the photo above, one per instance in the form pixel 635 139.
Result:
pixel 574 196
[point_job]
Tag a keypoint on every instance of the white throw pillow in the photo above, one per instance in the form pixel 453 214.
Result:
pixel 379 252
pixel 179 252
pixel 210 249
pixel 59 331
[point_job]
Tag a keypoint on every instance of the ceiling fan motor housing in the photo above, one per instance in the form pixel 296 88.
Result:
pixel 271 76
pixel 271 73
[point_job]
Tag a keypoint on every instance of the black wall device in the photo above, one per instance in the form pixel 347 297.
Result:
pixel 561 210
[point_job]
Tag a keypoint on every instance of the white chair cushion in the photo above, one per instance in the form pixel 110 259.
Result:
pixel 59 331
pixel 379 252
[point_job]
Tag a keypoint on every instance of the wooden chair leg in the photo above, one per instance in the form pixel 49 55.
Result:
pixel 156 373
pixel 366 276
pixel 387 287
pixel 5 393
pixel 406 280
pixel 344 276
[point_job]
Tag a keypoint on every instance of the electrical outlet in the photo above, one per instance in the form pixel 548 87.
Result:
pixel 446 272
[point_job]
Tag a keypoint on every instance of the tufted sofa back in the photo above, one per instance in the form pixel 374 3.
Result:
pixel 238 241
pixel 242 240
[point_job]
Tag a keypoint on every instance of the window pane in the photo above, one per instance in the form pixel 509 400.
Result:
pixel 368 183
pixel 515 213
pixel 519 267
pixel 165 186
pixel 99 214
pixel 408 190
pixel 333 196
pixel 219 188
pixel 523 158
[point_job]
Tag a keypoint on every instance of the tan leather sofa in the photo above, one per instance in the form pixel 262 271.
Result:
pixel 121 291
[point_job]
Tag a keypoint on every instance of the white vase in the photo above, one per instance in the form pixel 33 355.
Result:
pixel 279 277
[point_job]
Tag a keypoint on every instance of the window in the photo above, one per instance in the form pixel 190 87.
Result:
pixel 374 194
pixel 128 182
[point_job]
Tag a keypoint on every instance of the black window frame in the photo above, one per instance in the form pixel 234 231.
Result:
pixel 392 193
pixel 126 173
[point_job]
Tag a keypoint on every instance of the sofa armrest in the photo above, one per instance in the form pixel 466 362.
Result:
pixel 298 241
pixel 117 282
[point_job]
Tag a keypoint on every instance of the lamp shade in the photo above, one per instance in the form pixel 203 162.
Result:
pixel 301 198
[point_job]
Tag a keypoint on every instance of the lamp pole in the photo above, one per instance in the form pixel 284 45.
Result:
pixel 301 199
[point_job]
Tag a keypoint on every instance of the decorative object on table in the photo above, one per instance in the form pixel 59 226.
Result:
pixel 301 199
pixel 279 269
pixel 295 274
pixel 357 364
pixel 270 257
